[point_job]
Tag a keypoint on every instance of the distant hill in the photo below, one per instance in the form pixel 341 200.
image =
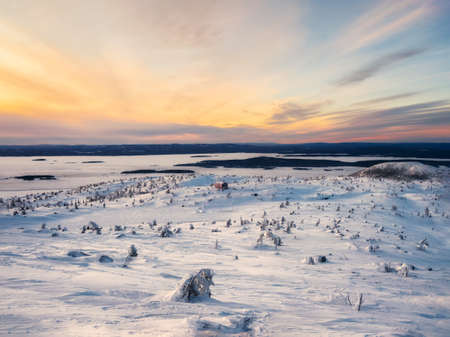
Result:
pixel 273 162
pixel 422 150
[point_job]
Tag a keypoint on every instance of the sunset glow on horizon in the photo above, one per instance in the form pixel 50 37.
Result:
pixel 111 71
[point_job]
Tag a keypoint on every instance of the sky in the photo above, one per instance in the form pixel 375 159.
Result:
pixel 206 71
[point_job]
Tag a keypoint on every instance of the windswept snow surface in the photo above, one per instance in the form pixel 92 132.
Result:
pixel 56 281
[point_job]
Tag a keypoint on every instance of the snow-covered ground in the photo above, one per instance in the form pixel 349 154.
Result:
pixel 368 233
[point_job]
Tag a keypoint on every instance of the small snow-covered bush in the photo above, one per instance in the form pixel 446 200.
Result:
pixel 403 270
pixel 315 259
pixel 355 236
pixel 308 260
pixel 165 232
pixel 385 267
pixel 320 259
pixel 372 248
pixel 132 251
pixel 355 301
pixel 195 286
pixel 268 235
pixel 423 245
pixel 91 226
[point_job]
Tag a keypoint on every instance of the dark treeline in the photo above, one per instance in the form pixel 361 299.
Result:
pixel 423 150
pixel 273 162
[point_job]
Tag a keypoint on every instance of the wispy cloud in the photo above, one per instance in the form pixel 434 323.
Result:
pixel 376 66
pixel 382 21
pixel 424 121
pixel 386 99
pixel 291 112
pixel 425 114
pixel 426 118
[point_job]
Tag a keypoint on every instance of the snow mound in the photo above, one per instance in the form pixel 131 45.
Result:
pixel 398 171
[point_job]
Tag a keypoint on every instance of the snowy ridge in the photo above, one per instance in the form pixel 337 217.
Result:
pixel 398 170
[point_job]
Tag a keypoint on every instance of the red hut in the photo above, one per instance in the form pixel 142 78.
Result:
pixel 221 185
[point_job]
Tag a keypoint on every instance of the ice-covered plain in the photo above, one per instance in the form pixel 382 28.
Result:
pixel 280 252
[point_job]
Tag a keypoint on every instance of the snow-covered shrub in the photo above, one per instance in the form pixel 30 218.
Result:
pixel 320 259
pixel 91 226
pixel 165 232
pixel 385 268
pixel 132 251
pixel 403 270
pixel 276 240
pixel 355 236
pixel 355 301
pixel 308 260
pixel 372 248
pixel 315 259
pixel 260 241
pixel 195 286
pixel 423 244
pixel 268 235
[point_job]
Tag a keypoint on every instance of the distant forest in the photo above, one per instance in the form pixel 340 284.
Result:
pixel 422 150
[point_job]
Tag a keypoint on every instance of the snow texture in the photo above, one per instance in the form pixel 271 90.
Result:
pixel 294 253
